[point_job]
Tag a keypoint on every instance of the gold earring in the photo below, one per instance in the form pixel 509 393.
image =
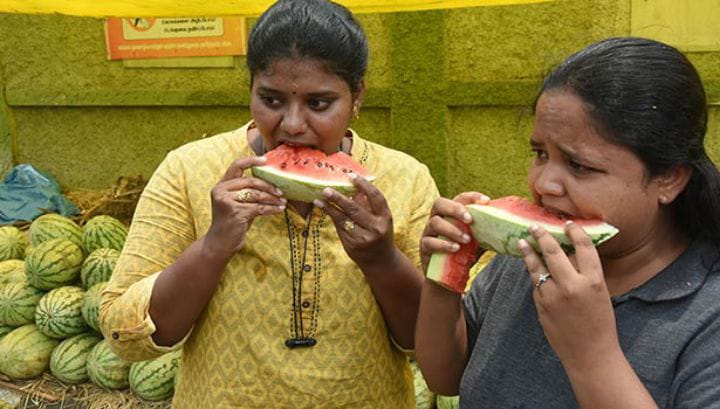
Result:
pixel 356 112
pixel 663 200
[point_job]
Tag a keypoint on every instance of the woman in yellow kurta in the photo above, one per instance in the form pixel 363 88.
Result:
pixel 279 304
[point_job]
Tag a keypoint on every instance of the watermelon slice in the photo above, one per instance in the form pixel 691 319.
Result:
pixel 302 172
pixel 499 225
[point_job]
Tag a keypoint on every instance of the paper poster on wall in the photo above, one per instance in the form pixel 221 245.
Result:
pixel 135 38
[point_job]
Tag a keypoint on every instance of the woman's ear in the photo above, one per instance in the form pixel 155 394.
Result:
pixel 359 94
pixel 672 183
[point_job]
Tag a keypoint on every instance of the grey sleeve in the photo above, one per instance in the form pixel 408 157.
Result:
pixel 697 375
pixel 477 299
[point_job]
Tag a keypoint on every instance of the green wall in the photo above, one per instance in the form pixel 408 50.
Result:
pixel 452 88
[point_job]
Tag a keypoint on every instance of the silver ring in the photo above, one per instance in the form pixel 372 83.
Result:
pixel 542 278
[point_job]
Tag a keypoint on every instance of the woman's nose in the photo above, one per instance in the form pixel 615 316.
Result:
pixel 293 121
pixel 548 180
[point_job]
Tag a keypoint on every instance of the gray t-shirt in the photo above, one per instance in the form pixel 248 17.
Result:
pixel 669 329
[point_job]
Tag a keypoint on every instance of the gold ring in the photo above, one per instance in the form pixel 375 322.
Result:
pixel 243 195
pixel 349 226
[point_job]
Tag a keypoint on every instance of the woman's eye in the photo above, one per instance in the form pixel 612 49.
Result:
pixel 318 104
pixel 576 167
pixel 270 101
pixel 539 153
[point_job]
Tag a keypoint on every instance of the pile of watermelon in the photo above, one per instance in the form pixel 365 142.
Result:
pixel 51 280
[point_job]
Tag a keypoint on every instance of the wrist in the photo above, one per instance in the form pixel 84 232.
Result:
pixel 211 253
pixel 380 262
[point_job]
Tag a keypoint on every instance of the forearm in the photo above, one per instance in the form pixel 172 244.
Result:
pixel 609 382
pixel 441 342
pixel 396 285
pixel 183 290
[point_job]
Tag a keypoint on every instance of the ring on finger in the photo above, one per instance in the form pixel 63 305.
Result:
pixel 542 279
pixel 243 195
pixel 349 226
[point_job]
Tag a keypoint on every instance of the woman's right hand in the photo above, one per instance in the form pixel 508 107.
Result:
pixel 440 224
pixel 236 201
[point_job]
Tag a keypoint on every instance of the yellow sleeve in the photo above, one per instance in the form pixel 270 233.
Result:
pixel 425 192
pixel 161 230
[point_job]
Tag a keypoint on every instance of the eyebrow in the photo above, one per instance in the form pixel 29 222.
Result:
pixel 570 154
pixel 327 93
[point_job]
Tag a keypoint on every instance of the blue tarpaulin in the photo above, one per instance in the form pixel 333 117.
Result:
pixel 27 193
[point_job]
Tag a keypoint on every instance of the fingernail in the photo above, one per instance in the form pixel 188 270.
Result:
pixel 568 222
pixel 283 200
pixel 534 229
pixel 523 246
pixel 262 158
pixel 484 198
pixel 319 203
pixel 466 217
pixel 454 247
pixel 466 238
pixel 281 207
pixel 327 192
pixel 352 176
pixel 278 192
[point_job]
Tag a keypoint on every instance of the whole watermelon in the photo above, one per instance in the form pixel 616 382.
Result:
pixel 104 231
pixel 58 313
pixel 18 302
pixel 5 329
pixel 53 264
pixel 91 305
pixel 98 266
pixel 12 271
pixel 54 226
pixel 155 379
pixel 69 359
pixel 12 243
pixel 25 352
pixel 106 369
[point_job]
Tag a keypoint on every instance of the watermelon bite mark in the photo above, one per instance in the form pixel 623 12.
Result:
pixel 302 172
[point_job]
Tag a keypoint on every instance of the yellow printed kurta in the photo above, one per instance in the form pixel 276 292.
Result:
pixel 236 355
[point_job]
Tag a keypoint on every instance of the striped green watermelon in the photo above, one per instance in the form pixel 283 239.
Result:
pixel 69 359
pixel 91 305
pixel 54 226
pixel 58 313
pixel 53 264
pixel 302 172
pixel 5 329
pixel 12 271
pixel 424 397
pixel 18 302
pixel 12 243
pixel 25 352
pixel 448 402
pixel 106 369
pixel 155 379
pixel 498 225
pixel 98 266
pixel 104 231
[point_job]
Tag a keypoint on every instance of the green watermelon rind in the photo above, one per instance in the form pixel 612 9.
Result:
pixel 12 243
pixel 54 226
pixel 53 264
pixel 59 312
pixel 154 379
pixel 90 309
pixel 98 266
pixel 104 232
pixel 18 302
pixel 105 369
pixel 25 352
pixel 301 188
pixel 68 361
pixel 12 271
pixel 499 229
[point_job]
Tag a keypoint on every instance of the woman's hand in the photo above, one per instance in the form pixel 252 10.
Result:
pixel 440 233
pixel 573 304
pixel 236 201
pixel 363 222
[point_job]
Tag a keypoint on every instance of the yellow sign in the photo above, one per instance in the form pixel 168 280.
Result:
pixel 133 38
pixel 180 8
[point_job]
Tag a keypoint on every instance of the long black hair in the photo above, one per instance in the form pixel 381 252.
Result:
pixel 317 29
pixel 648 97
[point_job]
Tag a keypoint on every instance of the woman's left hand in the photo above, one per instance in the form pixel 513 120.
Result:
pixel 363 222
pixel 573 304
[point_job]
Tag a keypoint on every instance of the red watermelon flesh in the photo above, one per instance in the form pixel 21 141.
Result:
pixel 302 172
pixel 450 270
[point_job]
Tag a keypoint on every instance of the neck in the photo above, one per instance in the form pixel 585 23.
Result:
pixel 635 265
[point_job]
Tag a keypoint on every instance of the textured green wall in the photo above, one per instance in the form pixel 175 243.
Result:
pixel 452 88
